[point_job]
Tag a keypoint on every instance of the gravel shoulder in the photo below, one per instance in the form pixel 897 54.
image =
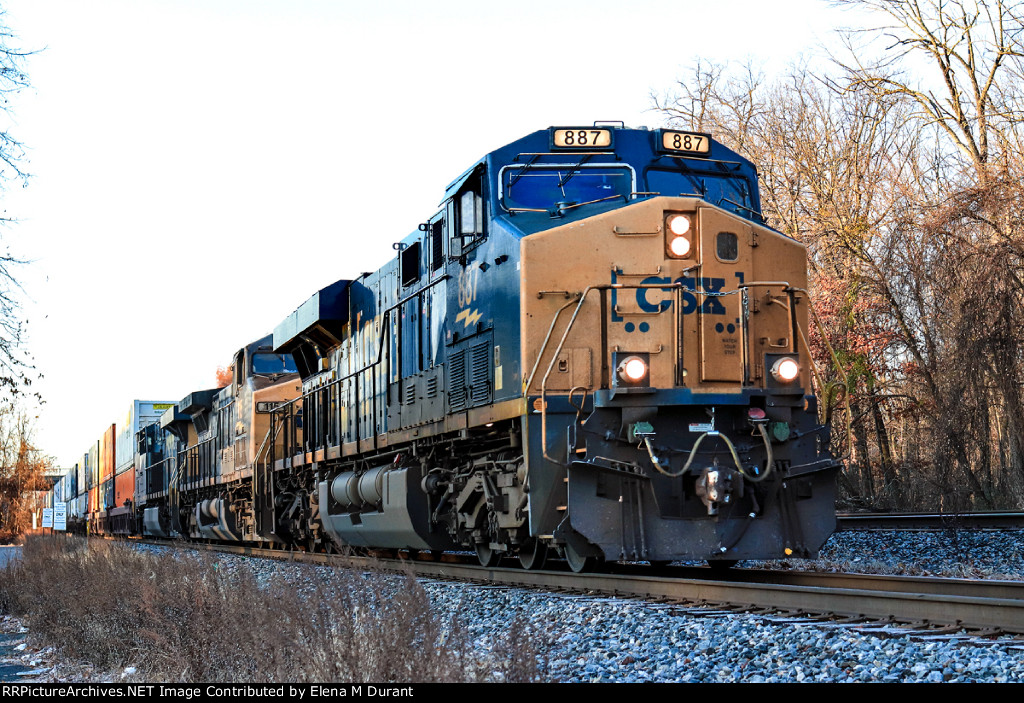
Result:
pixel 587 639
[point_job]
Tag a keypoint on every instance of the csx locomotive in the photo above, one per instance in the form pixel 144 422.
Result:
pixel 595 348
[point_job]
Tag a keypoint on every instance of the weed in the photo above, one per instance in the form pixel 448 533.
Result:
pixel 188 618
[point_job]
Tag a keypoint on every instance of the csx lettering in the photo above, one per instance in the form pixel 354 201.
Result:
pixel 711 305
pixel 641 295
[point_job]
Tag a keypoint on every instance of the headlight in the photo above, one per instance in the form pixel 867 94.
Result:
pixel 785 369
pixel 632 369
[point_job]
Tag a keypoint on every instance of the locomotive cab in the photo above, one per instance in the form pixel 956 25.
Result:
pixel 214 476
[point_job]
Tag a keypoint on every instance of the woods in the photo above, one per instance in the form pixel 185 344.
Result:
pixel 899 164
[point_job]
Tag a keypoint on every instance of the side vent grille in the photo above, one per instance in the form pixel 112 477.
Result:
pixel 410 392
pixel 457 396
pixel 479 380
pixel 432 387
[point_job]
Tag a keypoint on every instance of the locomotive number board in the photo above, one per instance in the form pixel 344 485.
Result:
pixel 581 138
pixel 686 142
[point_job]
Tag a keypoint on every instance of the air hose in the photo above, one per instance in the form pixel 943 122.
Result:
pixel 732 450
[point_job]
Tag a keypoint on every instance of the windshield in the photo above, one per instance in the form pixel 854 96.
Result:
pixel 731 193
pixel 273 363
pixel 545 187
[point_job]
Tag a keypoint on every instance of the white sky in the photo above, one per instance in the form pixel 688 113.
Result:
pixel 200 167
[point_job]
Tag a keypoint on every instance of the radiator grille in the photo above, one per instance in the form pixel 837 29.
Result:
pixel 479 373
pixel 457 380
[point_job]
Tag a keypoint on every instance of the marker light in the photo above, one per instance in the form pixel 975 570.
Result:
pixel 679 246
pixel 785 369
pixel 632 369
pixel 678 230
pixel 679 224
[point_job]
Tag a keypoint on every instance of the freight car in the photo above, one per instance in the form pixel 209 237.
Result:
pixel 595 347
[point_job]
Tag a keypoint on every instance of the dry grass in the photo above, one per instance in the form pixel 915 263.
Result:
pixel 191 618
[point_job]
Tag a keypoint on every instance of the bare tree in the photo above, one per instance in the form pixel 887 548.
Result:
pixel 959 292
pixel 973 51
pixel 901 166
pixel 16 369
pixel 21 472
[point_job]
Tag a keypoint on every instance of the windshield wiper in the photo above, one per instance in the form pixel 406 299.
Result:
pixel 521 172
pixel 572 171
pixel 751 210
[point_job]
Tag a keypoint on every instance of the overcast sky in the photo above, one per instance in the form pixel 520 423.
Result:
pixel 200 167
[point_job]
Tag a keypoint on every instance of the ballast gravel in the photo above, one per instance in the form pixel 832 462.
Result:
pixel 604 640
pixel 595 639
pixel 616 640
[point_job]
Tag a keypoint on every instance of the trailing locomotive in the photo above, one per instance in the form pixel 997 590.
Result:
pixel 595 346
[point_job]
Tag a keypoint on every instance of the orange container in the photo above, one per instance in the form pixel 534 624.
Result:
pixel 124 488
pixel 94 499
pixel 108 444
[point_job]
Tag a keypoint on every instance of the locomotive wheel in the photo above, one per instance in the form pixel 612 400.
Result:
pixel 577 562
pixel 487 556
pixel 533 554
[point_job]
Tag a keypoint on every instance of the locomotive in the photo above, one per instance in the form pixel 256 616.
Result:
pixel 596 348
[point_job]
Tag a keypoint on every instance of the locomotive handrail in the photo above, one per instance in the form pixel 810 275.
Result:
pixel 561 343
pixel 803 337
pixel 385 318
pixel 540 355
pixel 572 321
pixel 256 459
pixel 835 363
pixel 599 200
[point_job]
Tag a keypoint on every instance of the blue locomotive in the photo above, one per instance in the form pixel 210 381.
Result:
pixel 595 348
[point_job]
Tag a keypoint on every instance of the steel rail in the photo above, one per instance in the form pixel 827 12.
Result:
pixel 990 606
pixel 930 521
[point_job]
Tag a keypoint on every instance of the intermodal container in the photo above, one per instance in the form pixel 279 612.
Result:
pixel 94 465
pixel 124 488
pixel 107 494
pixel 80 485
pixel 141 413
pixel 107 443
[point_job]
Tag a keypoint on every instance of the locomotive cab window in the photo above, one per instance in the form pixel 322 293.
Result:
pixel 726 190
pixel 727 246
pixel 409 260
pixel 552 187
pixel 238 366
pixel 267 364
pixel 470 227
pixel 436 244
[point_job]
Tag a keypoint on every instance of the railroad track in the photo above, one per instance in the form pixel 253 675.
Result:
pixel 930 521
pixel 924 605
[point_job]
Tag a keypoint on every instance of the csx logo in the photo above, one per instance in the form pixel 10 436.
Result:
pixel 659 299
